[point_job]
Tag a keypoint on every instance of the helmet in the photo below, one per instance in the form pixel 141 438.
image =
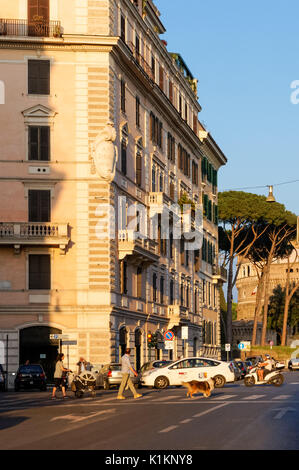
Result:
pixel 267 356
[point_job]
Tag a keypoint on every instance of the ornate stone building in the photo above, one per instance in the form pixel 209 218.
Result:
pixel 67 69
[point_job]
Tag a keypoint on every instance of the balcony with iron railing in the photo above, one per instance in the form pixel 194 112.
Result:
pixel 219 274
pixel 24 28
pixel 137 249
pixel 139 59
pixel 18 234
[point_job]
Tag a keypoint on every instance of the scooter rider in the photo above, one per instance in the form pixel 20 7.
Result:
pixel 264 366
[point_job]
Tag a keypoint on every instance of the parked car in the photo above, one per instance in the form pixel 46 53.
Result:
pixel 31 376
pixel 2 380
pixel 243 368
pixel 237 370
pixel 184 370
pixel 293 363
pixel 255 360
pixel 110 375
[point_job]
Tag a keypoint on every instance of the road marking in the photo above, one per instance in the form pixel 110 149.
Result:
pixel 170 428
pixel 224 397
pixel 78 419
pixel 170 397
pixel 282 412
pixel 185 421
pixel 198 415
pixel 254 397
pixel 282 397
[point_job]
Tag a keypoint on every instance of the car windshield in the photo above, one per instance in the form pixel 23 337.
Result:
pixel 31 369
pixel 162 363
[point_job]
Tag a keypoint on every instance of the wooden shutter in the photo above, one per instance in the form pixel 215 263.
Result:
pixel 123 28
pixel 38 17
pixel 170 91
pixel 39 202
pixel 124 157
pixel 139 283
pixel 39 77
pixel 138 169
pixel 161 78
pixel 33 139
pixel 44 143
pixel 39 272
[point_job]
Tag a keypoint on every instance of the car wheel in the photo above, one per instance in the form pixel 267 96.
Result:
pixel 219 381
pixel 161 382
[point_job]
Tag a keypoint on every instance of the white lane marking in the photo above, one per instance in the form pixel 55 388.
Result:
pixel 224 397
pixel 170 397
pixel 282 412
pixel 282 397
pixel 185 421
pixel 170 428
pixel 198 415
pixel 253 397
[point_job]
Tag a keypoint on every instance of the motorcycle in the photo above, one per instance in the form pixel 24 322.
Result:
pixel 271 378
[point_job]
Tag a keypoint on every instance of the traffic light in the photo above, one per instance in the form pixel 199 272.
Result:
pixel 149 340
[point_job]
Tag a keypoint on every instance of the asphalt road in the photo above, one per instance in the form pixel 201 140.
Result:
pixel 233 418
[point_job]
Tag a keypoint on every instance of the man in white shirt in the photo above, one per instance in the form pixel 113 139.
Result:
pixel 126 369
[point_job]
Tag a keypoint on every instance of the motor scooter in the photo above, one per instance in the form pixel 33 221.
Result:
pixel 271 378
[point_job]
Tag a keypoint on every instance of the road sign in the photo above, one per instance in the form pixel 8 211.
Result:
pixel 185 332
pixel 244 345
pixel 169 345
pixel 227 347
pixel 169 335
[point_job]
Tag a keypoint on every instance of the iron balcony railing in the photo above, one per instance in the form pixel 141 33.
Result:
pixel 141 61
pixel 13 27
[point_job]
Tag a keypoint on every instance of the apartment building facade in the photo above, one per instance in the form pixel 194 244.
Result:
pixel 67 69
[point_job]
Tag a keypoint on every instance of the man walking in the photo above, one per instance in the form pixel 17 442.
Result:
pixel 126 368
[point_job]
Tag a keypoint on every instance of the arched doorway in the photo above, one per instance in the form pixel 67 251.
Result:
pixel 138 336
pixel 122 341
pixel 37 347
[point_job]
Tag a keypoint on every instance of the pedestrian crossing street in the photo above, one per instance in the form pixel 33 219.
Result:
pixel 11 403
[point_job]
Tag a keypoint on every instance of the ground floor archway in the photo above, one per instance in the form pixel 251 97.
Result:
pixel 37 347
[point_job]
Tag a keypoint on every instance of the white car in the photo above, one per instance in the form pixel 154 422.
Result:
pixel 192 368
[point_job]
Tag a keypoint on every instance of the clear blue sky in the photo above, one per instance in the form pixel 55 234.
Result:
pixel 245 55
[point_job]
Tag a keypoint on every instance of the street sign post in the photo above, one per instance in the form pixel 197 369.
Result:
pixel 169 335
pixel 169 345
pixel 227 349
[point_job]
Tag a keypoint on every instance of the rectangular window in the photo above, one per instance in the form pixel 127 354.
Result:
pixel 161 78
pixel 162 290
pixel 139 283
pixel 39 143
pixel 123 278
pixel 138 169
pixel 38 77
pixel 39 272
pixel 123 28
pixel 123 96
pixel 137 111
pixel 171 92
pixel 39 205
pixel 124 157
pixel 153 67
